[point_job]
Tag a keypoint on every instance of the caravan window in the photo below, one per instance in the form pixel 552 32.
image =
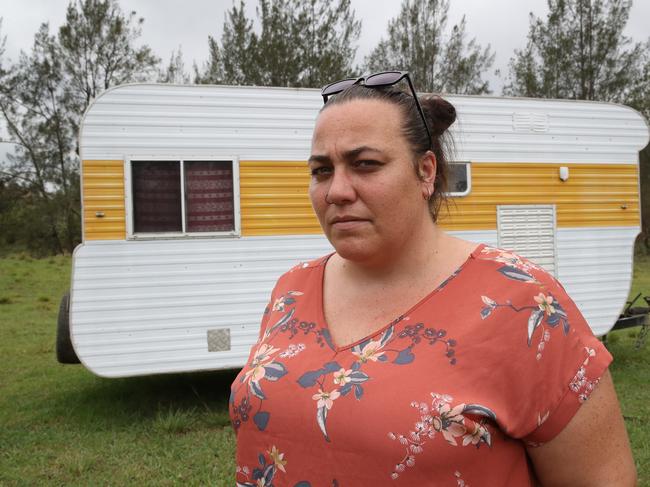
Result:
pixel 458 179
pixel 183 197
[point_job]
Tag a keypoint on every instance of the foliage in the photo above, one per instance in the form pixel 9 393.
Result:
pixel 579 52
pixel 417 42
pixel 297 43
pixel 175 71
pixel 42 99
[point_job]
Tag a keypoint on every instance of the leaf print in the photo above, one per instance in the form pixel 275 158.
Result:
pixel 518 275
pixel 404 357
pixel 485 312
pixel 274 371
pixel 479 410
pixel 331 367
pixel 309 379
pixel 533 322
pixel 387 335
pixel 345 389
pixel 280 322
pixel 488 301
pixel 321 417
pixel 256 389
pixel 358 377
pixel 302 483
pixel 261 420
pixel 358 391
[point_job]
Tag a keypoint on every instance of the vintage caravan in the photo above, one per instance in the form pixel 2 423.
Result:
pixel 195 200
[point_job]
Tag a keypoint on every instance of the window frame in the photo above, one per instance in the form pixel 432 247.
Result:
pixel 128 196
pixel 468 165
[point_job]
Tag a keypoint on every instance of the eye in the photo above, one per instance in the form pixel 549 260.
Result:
pixel 321 171
pixel 366 164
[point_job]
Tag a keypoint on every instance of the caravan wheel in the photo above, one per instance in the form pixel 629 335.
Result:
pixel 65 353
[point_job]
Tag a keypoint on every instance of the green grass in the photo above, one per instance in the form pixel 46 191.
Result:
pixel 61 425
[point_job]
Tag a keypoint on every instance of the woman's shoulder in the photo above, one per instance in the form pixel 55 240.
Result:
pixel 301 272
pixel 510 265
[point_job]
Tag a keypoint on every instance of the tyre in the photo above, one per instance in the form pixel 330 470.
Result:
pixel 65 353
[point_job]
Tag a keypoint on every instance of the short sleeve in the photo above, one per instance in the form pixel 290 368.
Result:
pixel 564 364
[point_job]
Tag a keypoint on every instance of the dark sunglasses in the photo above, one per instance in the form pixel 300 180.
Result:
pixel 376 80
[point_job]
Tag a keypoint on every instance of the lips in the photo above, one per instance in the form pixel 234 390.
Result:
pixel 346 219
pixel 347 222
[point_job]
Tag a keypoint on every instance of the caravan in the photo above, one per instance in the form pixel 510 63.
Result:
pixel 194 201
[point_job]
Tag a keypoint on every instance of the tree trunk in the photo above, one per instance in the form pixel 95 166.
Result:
pixel 644 176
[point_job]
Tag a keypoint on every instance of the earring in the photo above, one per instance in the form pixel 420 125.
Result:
pixel 427 194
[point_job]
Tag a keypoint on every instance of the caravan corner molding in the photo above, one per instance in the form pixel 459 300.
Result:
pixel 194 201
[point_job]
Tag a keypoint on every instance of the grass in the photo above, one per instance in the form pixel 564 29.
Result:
pixel 61 425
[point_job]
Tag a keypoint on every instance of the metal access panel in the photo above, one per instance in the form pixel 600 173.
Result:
pixel 530 231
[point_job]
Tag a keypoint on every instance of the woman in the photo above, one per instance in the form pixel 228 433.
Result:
pixel 408 356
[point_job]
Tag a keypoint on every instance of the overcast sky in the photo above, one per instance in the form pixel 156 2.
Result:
pixel 187 23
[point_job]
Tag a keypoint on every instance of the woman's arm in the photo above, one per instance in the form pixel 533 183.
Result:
pixel 593 450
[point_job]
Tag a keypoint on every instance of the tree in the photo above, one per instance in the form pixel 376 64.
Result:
pixel 417 42
pixel 297 43
pixel 42 100
pixel 579 52
pixel 175 70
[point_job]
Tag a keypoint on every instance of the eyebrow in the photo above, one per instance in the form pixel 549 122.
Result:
pixel 347 155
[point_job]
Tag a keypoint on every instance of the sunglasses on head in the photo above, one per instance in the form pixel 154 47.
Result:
pixel 376 80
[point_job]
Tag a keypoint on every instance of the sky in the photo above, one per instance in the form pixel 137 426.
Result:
pixel 186 24
pixel 170 24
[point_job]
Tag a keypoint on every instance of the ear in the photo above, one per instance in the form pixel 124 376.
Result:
pixel 427 166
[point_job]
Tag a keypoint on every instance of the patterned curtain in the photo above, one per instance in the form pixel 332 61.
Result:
pixel 209 196
pixel 156 196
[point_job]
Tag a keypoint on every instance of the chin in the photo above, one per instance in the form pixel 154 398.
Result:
pixel 355 251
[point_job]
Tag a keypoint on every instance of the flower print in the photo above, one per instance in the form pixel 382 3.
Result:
pixel 326 399
pixel 371 351
pixel 262 355
pixel 293 350
pixel 545 303
pixel 263 475
pixel 280 303
pixel 448 420
pixel 474 434
pixel 581 384
pixel 459 480
pixel 342 377
pixel 278 458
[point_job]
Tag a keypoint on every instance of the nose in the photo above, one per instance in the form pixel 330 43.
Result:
pixel 341 189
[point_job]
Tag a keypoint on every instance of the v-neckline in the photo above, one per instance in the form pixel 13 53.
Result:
pixel 321 297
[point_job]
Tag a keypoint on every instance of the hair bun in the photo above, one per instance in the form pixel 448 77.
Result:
pixel 441 113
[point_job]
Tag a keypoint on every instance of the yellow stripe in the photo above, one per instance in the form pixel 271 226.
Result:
pixel 274 196
pixel 103 191
pixel 274 199
pixel 594 195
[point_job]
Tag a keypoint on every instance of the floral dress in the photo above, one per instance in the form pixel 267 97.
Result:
pixel 448 394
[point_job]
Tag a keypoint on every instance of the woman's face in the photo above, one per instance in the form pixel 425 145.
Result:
pixel 364 188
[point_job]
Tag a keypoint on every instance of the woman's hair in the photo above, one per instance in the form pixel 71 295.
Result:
pixel 439 113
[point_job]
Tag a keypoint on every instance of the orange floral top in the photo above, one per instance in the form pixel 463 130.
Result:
pixel 448 394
